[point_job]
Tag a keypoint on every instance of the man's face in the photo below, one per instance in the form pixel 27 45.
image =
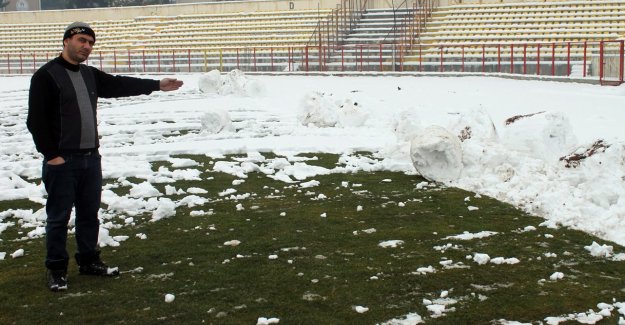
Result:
pixel 78 47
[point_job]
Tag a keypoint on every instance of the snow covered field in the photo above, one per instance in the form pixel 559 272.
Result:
pixel 498 137
pixel 516 163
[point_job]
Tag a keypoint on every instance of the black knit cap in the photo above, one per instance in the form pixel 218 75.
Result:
pixel 78 28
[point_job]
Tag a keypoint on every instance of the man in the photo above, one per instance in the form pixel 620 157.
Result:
pixel 62 120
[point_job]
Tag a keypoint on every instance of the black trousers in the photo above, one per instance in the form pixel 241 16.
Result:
pixel 76 183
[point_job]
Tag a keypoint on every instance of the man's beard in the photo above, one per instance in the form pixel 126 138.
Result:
pixel 76 57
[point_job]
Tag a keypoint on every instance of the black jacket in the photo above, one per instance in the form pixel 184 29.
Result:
pixel 54 119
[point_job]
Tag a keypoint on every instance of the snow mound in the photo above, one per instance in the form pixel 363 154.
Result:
pixel 406 125
pixel 217 120
pixel 475 124
pixel 352 114
pixel 235 83
pixel 437 154
pixel 321 110
pixel 210 82
pixel 544 135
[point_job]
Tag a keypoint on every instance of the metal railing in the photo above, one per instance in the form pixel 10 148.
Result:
pixel 602 61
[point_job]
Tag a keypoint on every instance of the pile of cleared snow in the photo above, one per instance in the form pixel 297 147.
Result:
pixel 233 83
pixel 438 152
pixel 519 161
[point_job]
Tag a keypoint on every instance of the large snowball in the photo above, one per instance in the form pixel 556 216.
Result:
pixel 217 120
pixel 546 136
pixel 437 154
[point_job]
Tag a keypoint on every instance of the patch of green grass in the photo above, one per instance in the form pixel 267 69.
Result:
pixel 309 259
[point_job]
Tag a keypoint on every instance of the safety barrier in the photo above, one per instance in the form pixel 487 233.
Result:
pixel 602 61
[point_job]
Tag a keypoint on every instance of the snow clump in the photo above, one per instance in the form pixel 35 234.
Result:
pixel 217 120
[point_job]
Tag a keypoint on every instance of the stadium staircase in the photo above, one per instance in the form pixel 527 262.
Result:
pixel 376 33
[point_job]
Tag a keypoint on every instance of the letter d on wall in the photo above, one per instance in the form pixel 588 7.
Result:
pixel 291 5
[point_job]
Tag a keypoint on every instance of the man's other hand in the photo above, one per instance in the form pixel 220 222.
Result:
pixel 56 161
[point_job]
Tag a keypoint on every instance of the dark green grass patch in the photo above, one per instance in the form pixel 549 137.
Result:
pixel 310 255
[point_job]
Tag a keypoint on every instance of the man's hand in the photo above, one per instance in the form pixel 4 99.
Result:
pixel 56 161
pixel 169 84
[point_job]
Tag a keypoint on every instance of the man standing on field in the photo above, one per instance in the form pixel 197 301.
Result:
pixel 62 107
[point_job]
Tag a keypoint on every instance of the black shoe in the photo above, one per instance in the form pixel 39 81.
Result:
pixel 57 280
pixel 97 267
pixel 91 264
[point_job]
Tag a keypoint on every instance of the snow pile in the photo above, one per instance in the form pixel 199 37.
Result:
pixel 543 135
pixel 474 124
pixel 533 161
pixel 322 110
pixel 235 83
pixel 352 114
pixel 210 82
pixel 406 125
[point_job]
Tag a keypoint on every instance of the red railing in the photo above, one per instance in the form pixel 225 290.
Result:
pixel 601 61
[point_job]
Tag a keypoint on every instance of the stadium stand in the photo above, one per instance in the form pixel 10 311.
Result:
pixel 208 32
pixel 412 37
pixel 506 29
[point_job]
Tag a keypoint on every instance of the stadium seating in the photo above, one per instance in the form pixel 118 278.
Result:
pixel 458 34
pixel 262 30
pixel 489 30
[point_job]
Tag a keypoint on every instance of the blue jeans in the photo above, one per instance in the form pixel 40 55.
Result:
pixel 76 183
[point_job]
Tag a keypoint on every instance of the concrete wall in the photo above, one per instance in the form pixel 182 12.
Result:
pixel 103 14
